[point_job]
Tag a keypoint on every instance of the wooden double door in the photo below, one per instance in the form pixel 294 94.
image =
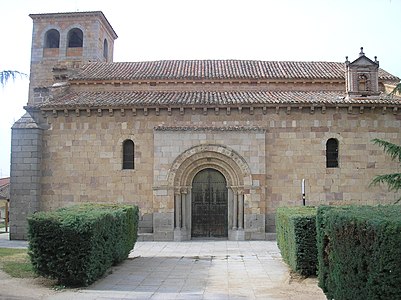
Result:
pixel 209 205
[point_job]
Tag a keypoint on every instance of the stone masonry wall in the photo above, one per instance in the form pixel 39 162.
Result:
pixel 25 188
pixel 295 150
pixel 82 155
pixel 240 149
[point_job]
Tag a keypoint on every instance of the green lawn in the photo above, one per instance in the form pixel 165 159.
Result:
pixel 16 263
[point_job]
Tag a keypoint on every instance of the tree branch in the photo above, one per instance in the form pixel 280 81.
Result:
pixel 6 75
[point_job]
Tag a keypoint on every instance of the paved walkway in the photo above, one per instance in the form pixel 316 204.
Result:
pixel 198 270
pixel 6 243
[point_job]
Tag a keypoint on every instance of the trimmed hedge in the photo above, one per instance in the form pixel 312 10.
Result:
pixel 359 252
pixel 296 238
pixel 76 245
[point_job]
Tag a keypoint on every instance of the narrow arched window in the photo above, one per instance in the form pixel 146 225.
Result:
pixel 52 39
pixel 332 153
pixel 105 49
pixel 75 38
pixel 128 154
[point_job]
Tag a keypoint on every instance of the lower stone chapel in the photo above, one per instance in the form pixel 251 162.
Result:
pixel 205 148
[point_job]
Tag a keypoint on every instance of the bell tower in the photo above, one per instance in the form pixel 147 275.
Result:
pixel 62 43
pixel 362 76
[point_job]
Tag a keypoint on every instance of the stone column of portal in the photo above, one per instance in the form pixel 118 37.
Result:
pixel 189 212
pixel 240 211
pixel 177 196
pixel 230 208
pixel 183 209
pixel 235 209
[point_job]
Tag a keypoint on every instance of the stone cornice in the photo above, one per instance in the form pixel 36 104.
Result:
pixel 349 108
pixel 209 128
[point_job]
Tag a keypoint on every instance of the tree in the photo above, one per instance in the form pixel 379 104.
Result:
pixel 393 181
pixel 6 75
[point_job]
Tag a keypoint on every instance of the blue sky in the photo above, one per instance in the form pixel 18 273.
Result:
pixel 308 30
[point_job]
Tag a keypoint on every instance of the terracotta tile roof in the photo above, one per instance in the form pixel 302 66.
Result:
pixel 204 98
pixel 4 181
pixel 216 70
pixel 5 188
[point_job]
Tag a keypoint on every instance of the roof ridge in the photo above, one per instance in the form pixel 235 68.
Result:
pixel 215 60
pixel 217 69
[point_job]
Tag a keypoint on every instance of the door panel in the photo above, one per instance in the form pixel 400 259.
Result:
pixel 209 204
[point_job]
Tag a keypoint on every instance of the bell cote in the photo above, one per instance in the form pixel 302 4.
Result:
pixel 362 76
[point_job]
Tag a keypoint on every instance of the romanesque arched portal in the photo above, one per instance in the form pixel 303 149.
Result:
pixel 226 162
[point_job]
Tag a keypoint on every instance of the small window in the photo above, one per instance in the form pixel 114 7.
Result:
pixel 52 39
pixel 105 49
pixel 75 38
pixel 332 153
pixel 362 83
pixel 128 154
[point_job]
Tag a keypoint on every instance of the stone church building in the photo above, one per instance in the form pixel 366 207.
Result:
pixel 205 148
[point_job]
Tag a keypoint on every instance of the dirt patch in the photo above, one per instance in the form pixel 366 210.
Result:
pixel 297 287
pixel 27 288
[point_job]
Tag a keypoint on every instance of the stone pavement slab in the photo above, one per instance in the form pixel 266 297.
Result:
pixel 199 270
pixel 6 243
